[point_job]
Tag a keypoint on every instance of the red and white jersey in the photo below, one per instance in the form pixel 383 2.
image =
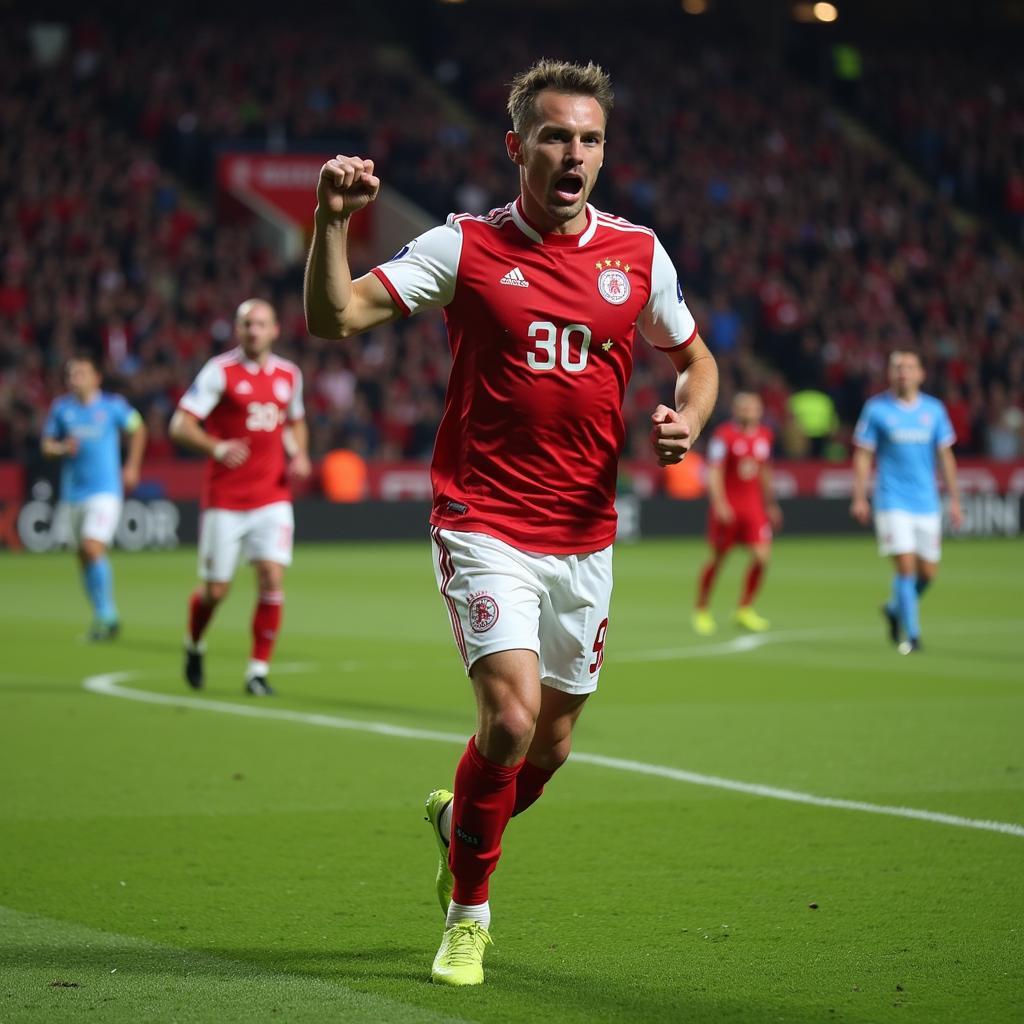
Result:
pixel 741 454
pixel 237 398
pixel 541 330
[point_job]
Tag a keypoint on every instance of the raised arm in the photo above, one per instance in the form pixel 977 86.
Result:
pixel 676 430
pixel 337 306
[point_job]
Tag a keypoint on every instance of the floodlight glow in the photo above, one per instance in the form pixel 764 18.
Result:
pixel 695 6
pixel 826 12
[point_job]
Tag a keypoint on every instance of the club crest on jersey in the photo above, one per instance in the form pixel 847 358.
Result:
pixel 613 284
pixel 483 612
pixel 282 389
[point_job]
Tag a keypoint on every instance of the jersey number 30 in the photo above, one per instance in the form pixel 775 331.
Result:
pixel 545 352
pixel 262 416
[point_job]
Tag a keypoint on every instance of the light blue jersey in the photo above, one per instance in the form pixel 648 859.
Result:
pixel 905 437
pixel 96 467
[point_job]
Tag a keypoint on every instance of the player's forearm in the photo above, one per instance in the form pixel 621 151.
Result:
pixel 861 473
pixel 328 282
pixel 947 461
pixel 697 388
pixel 767 486
pixel 136 448
pixel 299 438
pixel 187 433
pixel 716 487
pixel 52 448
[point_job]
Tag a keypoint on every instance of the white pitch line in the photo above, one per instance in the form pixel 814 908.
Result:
pixel 752 641
pixel 109 684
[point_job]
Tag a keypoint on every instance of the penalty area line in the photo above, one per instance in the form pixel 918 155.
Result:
pixel 111 684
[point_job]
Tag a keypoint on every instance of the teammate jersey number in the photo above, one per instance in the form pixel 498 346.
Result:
pixel 263 416
pixel 545 339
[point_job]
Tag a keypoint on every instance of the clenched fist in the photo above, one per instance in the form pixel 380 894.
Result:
pixel 346 185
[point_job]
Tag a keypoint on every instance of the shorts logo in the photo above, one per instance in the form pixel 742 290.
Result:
pixel 613 286
pixel 282 389
pixel 457 508
pixel 483 612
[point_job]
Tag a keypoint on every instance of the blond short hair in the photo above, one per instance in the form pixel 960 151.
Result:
pixel 559 76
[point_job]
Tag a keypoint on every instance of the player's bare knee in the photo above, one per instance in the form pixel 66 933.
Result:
pixel 506 731
pixel 214 591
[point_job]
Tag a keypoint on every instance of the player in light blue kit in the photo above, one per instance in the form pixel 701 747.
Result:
pixel 84 429
pixel 907 432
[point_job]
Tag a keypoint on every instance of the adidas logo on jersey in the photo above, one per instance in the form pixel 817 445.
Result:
pixel 243 387
pixel 515 277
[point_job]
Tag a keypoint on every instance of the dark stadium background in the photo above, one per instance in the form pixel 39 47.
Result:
pixel 827 191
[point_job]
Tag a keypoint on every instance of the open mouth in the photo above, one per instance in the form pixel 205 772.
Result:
pixel 569 187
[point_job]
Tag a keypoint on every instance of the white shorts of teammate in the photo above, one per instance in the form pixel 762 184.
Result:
pixel 264 534
pixel 500 599
pixel 909 533
pixel 96 518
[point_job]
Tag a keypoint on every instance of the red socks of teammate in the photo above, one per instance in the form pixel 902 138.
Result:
pixel 707 581
pixel 752 583
pixel 266 621
pixel 485 797
pixel 199 615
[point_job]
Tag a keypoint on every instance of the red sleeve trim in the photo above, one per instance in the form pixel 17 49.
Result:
pixel 676 348
pixel 392 291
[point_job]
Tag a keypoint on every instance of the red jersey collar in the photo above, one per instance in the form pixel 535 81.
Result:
pixel 553 238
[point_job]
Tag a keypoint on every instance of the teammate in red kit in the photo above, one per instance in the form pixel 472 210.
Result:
pixel 544 299
pixel 742 507
pixel 236 412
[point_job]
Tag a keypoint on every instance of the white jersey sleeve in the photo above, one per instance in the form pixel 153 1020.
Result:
pixel 296 408
pixel 206 390
pixel 665 321
pixel 422 274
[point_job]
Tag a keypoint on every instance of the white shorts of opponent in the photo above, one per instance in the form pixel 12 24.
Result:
pixel 96 518
pixel 909 533
pixel 264 534
pixel 500 599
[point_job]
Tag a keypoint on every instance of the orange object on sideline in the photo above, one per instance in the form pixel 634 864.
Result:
pixel 343 476
pixel 686 479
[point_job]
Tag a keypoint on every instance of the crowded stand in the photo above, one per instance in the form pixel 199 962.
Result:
pixel 805 255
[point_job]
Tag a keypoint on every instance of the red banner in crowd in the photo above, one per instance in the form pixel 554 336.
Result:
pixel 280 186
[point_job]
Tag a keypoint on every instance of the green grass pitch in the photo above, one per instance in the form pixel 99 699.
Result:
pixel 163 862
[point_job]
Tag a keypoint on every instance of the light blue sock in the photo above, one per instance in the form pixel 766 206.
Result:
pixel 99 584
pixel 908 606
pixel 892 606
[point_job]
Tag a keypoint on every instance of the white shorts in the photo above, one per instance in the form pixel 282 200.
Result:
pixel 264 533
pixel 96 518
pixel 501 599
pixel 909 533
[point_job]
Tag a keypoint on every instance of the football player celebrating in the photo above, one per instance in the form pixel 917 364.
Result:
pixel 544 299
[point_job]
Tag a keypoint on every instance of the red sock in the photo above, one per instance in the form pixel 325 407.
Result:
pixel 530 784
pixel 485 794
pixel 753 581
pixel 707 581
pixel 199 615
pixel 266 621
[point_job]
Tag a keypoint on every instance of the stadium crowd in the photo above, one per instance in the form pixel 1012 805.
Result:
pixel 806 255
